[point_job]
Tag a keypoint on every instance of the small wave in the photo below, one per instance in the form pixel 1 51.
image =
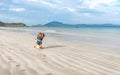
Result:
pixel 53 31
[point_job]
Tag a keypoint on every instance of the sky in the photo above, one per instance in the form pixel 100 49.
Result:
pixel 33 12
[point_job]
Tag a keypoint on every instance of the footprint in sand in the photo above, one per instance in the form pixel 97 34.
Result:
pixel 20 67
pixel 10 60
pixel 41 56
pixel 16 64
pixel 48 74
pixel 44 56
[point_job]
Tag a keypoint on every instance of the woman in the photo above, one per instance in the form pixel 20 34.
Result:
pixel 39 39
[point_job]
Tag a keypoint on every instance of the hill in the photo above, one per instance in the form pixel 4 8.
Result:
pixel 54 23
pixel 11 24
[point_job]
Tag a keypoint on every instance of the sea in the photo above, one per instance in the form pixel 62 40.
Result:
pixel 108 37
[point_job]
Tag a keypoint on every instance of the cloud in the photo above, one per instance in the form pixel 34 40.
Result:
pixel 73 10
pixel 98 3
pixel 86 14
pixel 17 9
pixel 97 6
pixel 45 3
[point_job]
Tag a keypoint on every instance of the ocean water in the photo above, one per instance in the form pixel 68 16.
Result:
pixel 108 37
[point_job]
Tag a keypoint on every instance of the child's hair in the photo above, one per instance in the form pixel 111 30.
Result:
pixel 39 33
pixel 43 35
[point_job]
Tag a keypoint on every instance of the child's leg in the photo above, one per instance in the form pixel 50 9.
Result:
pixel 35 46
pixel 40 46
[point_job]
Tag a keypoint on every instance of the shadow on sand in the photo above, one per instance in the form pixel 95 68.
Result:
pixel 54 46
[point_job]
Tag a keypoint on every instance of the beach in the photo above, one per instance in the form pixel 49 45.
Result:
pixel 58 57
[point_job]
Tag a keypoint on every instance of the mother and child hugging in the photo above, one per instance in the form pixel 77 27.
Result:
pixel 39 40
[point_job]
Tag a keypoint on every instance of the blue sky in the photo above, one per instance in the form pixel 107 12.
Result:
pixel 66 11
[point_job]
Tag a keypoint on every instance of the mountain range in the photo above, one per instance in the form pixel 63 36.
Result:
pixel 60 24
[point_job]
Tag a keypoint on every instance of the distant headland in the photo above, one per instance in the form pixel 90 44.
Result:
pixel 12 24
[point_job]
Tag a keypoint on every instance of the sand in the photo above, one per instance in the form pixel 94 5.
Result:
pixel 18 57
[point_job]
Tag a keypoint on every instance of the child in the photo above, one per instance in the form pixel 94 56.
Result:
pixel 39 39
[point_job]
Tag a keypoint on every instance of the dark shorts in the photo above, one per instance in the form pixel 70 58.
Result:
pixel 39 42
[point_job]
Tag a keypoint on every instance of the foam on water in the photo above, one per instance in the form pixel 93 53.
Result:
pixel 52 31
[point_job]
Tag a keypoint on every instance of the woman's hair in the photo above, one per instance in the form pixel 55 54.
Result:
pixel 42 35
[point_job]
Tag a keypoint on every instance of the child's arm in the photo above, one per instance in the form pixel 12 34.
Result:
pixel 36 40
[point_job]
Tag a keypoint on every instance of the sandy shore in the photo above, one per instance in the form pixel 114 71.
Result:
pixel 18 57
